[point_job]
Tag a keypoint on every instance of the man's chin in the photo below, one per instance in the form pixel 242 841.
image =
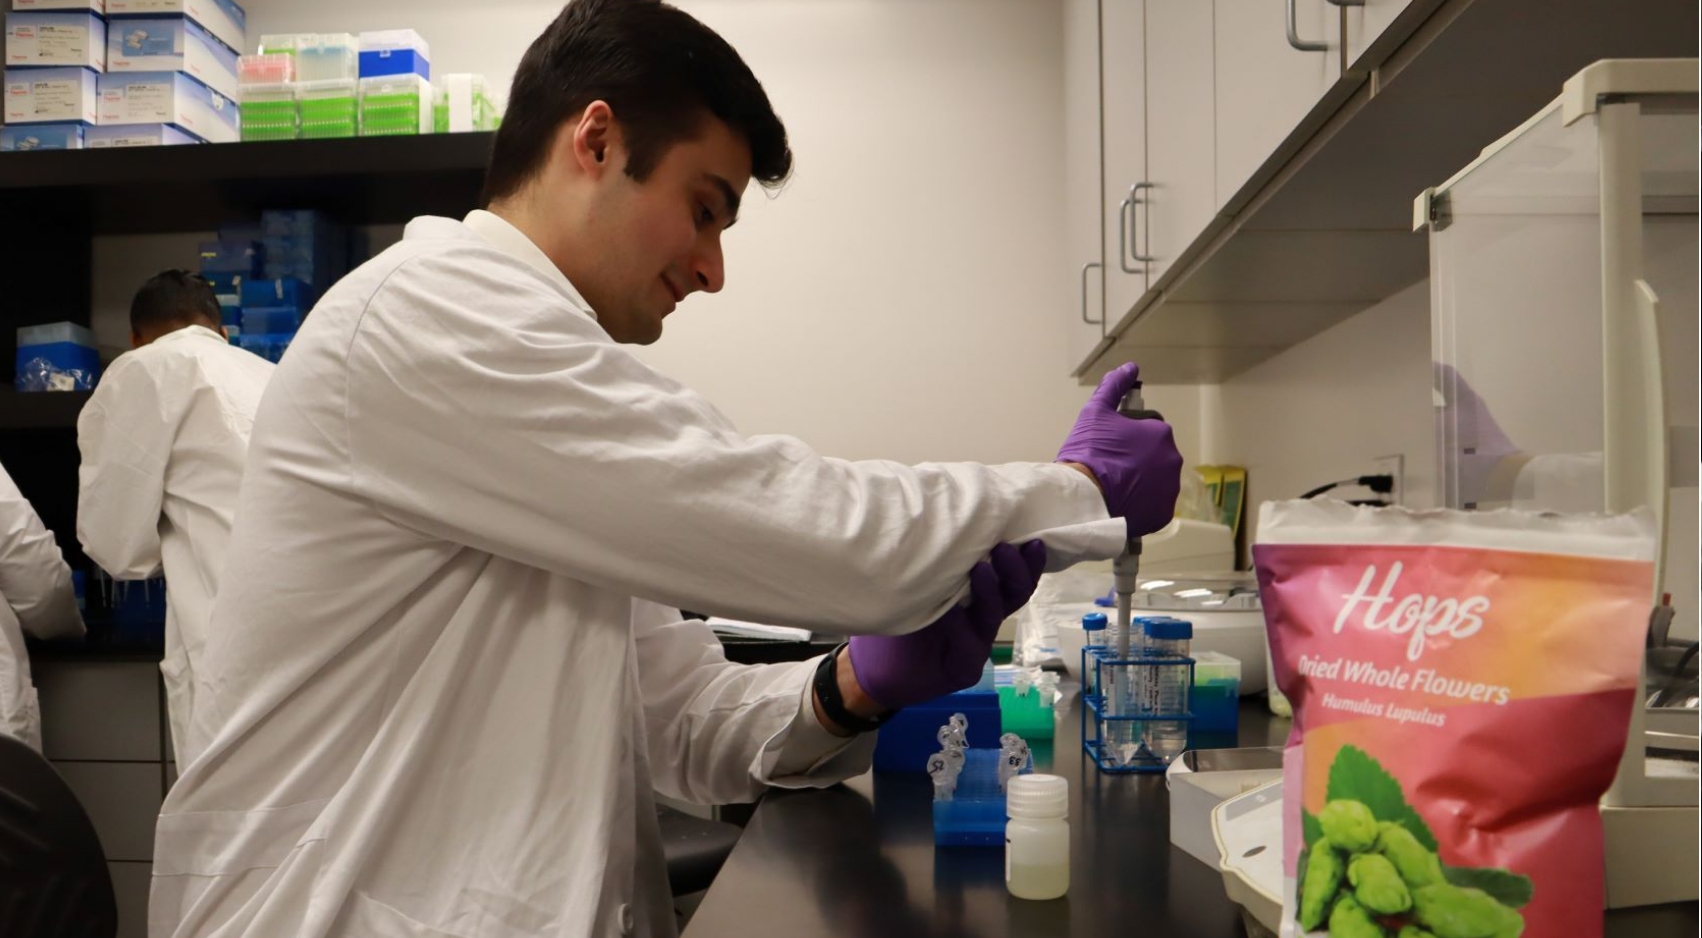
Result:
pixel 642 334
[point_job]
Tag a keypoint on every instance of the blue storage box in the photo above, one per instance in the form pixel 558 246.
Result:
pixel 394 52
pixel 55 40
pixel 69 136
pixel 58 356
pixel 138 608
pixel 286 291
pixel 906 741
pixel 271 319
pixel 268 345
pixel 230 256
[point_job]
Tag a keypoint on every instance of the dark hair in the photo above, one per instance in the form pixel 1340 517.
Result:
pixel 661 72
pixel 174 298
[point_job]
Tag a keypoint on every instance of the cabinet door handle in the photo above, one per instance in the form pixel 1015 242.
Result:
pixel 1304 45
pixel 1084 269
pixel 1128 215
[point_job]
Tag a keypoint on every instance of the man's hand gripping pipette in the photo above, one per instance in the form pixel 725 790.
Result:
pixel 1131 452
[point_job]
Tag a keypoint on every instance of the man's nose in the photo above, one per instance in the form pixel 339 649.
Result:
pixel 708 268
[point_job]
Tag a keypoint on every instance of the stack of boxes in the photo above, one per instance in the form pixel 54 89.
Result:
pixel 227 264
pixel 301 85
pixel 268 277
pixel 395 84
pixel 55 53
pixel 111 73
pixel 114 73
pixel 171 72
pixel 317 85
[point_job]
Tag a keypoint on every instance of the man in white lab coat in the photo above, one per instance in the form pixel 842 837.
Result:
pixel 35 598
pixel 163 440
pixel 447 670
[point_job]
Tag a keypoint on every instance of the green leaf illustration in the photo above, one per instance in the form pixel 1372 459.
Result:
pixel 1507 887
pixel 1310 829
pixel 1356 775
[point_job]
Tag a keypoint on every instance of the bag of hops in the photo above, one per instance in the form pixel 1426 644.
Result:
pixel 1462 685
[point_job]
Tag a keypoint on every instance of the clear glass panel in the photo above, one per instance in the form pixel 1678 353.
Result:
pixel 1516 283
pixel 1516 301
pixel 1670 146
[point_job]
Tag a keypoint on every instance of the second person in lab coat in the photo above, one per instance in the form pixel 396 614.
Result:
pixel 446 669
pixel 163 440
pixel 36 598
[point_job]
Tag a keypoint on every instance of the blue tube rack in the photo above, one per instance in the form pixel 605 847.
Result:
pixel 975 815
pixel 1097 722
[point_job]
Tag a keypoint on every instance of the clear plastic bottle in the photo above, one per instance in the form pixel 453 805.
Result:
pixel 1037 837
pixel 1168 687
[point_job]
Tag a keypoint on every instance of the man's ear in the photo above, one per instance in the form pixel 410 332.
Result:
pixel 595 139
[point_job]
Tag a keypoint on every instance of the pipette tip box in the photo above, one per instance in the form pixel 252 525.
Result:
pixel 907 740
pixel 975 814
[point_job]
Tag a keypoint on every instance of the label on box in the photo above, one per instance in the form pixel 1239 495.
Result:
pixel 136 140
pixel 58 97
pixel 62 43
pixel 141 102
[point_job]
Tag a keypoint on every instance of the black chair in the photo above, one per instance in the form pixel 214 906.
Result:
pixel 53 877
pixel 694 848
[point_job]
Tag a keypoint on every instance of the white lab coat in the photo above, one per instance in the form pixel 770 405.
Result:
pixel 35 597
pixel 444 675
pixel 163 439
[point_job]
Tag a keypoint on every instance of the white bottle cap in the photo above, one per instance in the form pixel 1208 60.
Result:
pixel 1038 796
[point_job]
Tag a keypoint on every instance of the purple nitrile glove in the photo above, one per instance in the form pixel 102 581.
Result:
pixel 1136 461
pixel 948 655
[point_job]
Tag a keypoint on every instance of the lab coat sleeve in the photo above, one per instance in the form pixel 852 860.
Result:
pixel 35 581
pixel 544 442
pixel 719 732
pixel 125 433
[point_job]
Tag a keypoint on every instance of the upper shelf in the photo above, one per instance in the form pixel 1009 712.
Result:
pixel 360 180
pixel 1324 229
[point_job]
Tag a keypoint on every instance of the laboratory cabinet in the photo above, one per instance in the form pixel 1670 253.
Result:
pixel 1181 136
pixel 1083 250
pixel 1138 148
pixel 1280 142
pixel 1123 95
pixel 1272 61
pixel 1363 24
pixel 1171 107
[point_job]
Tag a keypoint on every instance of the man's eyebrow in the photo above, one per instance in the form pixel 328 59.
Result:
pixel 728 195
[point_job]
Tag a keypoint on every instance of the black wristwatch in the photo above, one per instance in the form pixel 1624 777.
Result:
pixel 833 705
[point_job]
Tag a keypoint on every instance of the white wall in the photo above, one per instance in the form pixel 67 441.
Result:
pixel 906 295
pixel 1325 408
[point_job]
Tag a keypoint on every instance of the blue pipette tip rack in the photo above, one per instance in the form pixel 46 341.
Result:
pixel 975 815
